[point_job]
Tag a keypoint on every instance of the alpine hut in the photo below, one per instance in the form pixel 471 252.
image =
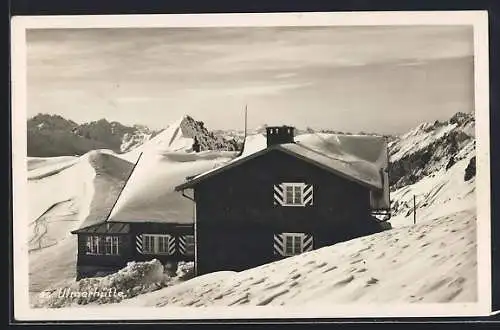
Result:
pixel 285 195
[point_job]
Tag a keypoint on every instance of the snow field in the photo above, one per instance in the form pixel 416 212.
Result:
pixel 434 262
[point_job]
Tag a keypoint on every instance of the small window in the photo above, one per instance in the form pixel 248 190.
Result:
pixel 155 244
pixel 111 245
pixel 293 194
pixel 162 244
pixel 92 245
pixel 148 244
pixel 107 245
pixel 293 243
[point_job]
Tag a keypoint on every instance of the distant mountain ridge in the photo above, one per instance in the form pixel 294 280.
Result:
pixel 53 135
pixel 430 147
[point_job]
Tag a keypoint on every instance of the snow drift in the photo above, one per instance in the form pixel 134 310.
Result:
pixel 128 282
pixel 388 267
pixel 134 279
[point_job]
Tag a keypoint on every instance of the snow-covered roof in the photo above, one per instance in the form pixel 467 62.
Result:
pixel 149 194
pixel 167 160
pixel 358 158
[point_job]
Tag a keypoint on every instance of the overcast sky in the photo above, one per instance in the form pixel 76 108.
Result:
pixel 378 79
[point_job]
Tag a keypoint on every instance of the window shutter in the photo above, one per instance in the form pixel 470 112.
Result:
pixel 279 244
pixel 307 194
pixel 171 244
pixel 182 244
pixel 138 243
pixel 279 194
pixel 307 243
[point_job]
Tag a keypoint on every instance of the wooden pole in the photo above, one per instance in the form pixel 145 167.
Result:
pixel 414 210
pixel 245 134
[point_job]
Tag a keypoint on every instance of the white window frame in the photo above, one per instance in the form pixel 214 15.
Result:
pixel 92 244
pixel 294 237
pixel 294 185
pixel 97 245
pixel 156 244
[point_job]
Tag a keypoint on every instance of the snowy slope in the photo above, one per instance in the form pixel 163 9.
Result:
pixel 391 266
pixel 133 140
pixel 430 163
pixel 59 199
pixel 428 148
pixel 443 192
pixel 68 194
pixel 179 136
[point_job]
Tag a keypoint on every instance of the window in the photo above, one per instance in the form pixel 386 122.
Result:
pixel 100 245
pixel 92 245
pixel 148 241
pixel 290 244
pixel 156 244
pixel 189 244
pixel 111 245
pixel 293 243
pixel 162 244
pixel 293 193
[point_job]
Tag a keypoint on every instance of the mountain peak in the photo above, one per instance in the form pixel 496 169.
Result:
pixel 461 118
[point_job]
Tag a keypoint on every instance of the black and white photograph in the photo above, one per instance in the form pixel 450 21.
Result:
pixel 232 166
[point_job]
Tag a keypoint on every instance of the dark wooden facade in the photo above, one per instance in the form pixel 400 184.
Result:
pixel 236 217
pixel 89 265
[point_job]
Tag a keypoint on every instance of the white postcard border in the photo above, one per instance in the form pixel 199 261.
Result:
pixel 22 310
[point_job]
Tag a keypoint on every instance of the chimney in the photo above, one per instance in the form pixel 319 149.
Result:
pixel 279 135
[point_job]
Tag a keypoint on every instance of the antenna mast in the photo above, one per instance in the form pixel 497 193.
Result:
pixel 245 133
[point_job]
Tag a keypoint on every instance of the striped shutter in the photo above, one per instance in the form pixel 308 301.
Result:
pixel 279 244
pixel 138 243
pixel 279 194
pixel 307 194
pixel 182 244
pixel 307 243
pixel 171 244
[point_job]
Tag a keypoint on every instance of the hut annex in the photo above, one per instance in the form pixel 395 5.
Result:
pixel 290 196
pixel 136 232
